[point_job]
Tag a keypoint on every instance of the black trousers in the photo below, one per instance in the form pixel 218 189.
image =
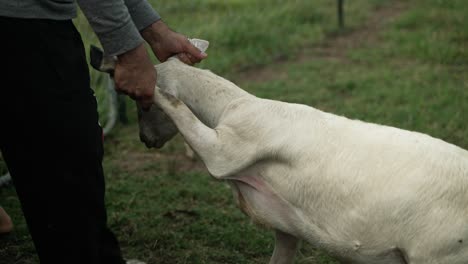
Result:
pixel 51 141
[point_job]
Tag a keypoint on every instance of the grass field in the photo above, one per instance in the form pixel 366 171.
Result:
pixel 399 63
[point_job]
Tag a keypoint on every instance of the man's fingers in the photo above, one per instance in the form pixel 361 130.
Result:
pixel 184 58
pixel 188 58
pixel 195 52
pixel 192 59
pixel 145 96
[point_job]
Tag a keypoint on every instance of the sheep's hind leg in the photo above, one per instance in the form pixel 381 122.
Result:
pixel 285 248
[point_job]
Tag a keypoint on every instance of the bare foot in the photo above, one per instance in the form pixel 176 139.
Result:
pixel 6 225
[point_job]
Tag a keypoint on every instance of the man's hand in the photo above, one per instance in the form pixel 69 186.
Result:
pixel 135 76
pixel 165 43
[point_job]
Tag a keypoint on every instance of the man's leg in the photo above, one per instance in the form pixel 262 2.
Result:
pixel 51 141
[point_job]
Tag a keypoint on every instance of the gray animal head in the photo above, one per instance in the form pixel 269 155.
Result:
pixel 156 128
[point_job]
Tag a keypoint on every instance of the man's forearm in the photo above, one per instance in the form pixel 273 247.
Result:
pixel 117 22
pixel 112 23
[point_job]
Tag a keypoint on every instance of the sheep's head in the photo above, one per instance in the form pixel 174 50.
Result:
pixel 156 128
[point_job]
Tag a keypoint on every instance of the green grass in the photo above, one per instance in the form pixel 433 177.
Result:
pixel 413 75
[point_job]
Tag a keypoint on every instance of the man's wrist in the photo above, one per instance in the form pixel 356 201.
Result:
pixel 155 32
pixel 134 54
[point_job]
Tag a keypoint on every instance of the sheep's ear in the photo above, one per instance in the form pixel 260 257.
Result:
pixel 201 44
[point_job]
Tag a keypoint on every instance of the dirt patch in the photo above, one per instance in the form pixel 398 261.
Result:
pixel 334 47
pixel 134 161
pixel 337 45
pixel 181 163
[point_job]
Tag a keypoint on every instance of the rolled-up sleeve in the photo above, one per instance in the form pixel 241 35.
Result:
pixel 112 23
pixel 142 13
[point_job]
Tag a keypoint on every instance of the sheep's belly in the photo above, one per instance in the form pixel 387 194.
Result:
pixel 258 201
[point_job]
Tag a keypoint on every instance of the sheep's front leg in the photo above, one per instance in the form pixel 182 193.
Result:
pixel 220 149
pixel 285 248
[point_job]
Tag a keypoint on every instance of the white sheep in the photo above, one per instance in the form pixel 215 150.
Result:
pixel 366 193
